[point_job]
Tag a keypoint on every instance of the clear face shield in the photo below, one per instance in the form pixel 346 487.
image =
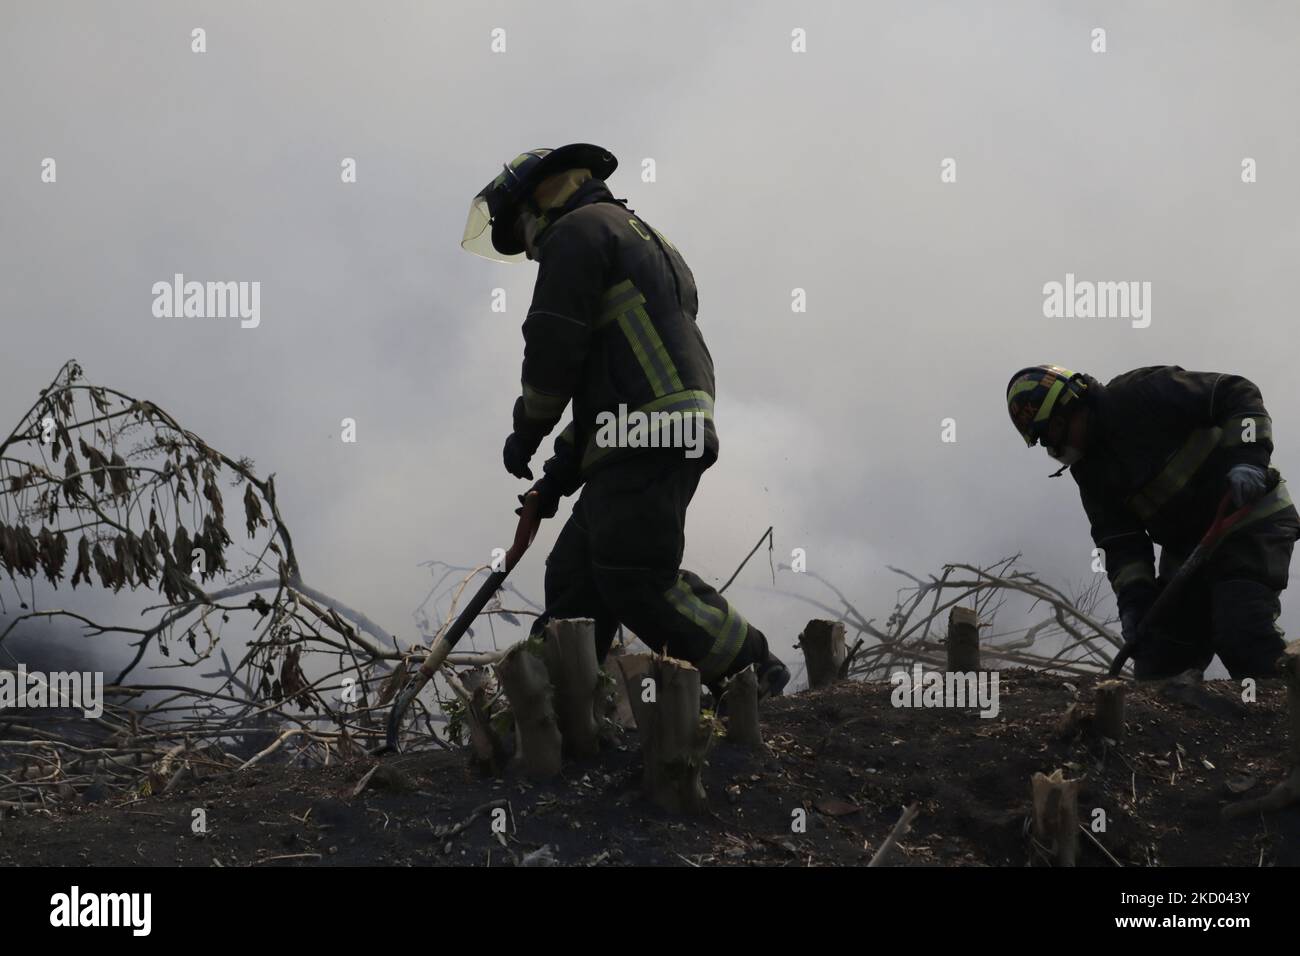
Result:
pixel 478 233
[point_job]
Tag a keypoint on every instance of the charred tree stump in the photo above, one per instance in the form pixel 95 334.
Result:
pixel 1286 793
pixel 1108 717
pixel 1056 816
pixel 741 695
pixel 665 697
pixel 570 655
pixel 963 640
pixel 822 643
pixel 537 734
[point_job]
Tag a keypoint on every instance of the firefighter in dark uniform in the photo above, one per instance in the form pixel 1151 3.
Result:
pixel 1153 452
pixel 612 329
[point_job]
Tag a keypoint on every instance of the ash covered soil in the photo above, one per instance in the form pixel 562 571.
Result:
pixel 844 755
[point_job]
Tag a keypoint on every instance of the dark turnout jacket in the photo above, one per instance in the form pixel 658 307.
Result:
pixel 1160 443
pixel 612 323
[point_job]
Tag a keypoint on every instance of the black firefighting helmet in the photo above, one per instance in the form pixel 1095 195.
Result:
pixel 489 230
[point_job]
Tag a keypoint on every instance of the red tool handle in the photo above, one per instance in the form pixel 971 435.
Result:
pixel 530 519
pixel 1223 521
pixel 1221 525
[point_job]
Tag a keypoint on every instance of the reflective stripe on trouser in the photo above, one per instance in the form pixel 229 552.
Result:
pixel 710 612
pixel 618 559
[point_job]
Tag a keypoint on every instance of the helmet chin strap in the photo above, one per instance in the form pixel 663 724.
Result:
pixel 1067 458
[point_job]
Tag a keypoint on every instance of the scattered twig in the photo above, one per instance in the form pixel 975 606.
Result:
pixel 284 856
pixel 455 828
pixel 900 830
pixel 1089 834
pixel 766 536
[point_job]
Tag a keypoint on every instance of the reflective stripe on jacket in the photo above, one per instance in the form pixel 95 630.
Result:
pixel 1161 440
pixel 612 330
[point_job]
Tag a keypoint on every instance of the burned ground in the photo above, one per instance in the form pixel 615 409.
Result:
pixel 844 755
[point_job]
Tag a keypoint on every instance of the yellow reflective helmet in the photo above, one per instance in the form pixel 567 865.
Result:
pixel 1040 393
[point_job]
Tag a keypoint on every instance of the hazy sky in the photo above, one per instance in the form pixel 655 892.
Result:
pixel 775 170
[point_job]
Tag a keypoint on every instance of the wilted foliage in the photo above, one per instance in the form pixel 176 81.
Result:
pixel 98 488
pixel 141 497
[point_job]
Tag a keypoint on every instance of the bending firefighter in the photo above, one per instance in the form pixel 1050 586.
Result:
pixel 612 329
pixel 1158 453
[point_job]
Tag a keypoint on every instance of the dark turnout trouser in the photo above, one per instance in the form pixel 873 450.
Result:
pixel 1230 608
pixel 618 560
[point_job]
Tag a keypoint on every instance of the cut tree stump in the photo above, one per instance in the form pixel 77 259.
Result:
pixel 1286 793
pixel 488 752
pixel 1108 717
pixel 822 643
pixel 528 688
pixel 618 709
pixel 1067 725
pixel 635 669
pixel 570 655
pixel 488 749
pixel 665 697
pixel 741 695
pixel 1056 816
pixel 963 640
